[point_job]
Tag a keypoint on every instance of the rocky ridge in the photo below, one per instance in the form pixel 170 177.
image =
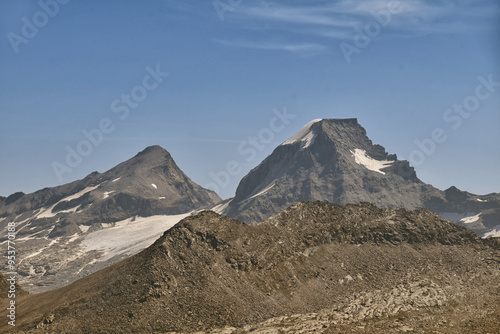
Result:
pixel 353 265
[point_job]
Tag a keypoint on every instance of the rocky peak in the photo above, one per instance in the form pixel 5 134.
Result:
pixel 55 223
pixel 329 160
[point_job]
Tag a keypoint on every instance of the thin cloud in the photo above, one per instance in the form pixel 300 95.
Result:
pixel 302 48
pixel 336 20
pixel 312 16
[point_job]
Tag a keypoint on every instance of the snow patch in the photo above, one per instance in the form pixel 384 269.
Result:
pixel 106 194
pixel 457 217
pixel 221 208
pixel 40 251
pixel 73 238
pixel 305 135
pixel 161 197
pixel 481 200
pixel 76 208
pixel 494 233
pixel 84 228
pixel 263 191
pixel 116 179
pixel 26 238
pixel 47 213
pixel 80 193
pixel 85 266
pixel 363 159
pixel 470 219
pixel 128 237
pixel 154 185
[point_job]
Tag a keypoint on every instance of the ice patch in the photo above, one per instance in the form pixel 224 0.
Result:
pixel 470 219
pixel 363 159
pixel 154 185
pixel 263 191
pixel 129 237
pixel 305 135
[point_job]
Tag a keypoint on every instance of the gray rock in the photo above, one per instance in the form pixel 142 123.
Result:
pixel 333 160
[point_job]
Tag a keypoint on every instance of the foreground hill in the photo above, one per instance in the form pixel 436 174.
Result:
pixel 334 267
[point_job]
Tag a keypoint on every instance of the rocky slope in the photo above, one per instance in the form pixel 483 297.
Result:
pixel 314 264
pixel 69 231
pixel 334 160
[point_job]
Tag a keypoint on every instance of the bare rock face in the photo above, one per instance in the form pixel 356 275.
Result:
pixel 313 267
pixel 60 230
pixel 333 160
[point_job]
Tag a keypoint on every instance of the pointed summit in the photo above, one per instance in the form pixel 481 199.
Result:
pixel 328 160
pixel 305 135
pixel 152 152
pixel 334 160
pixel 91 223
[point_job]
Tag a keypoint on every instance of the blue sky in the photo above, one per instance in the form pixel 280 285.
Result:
pixel 232 66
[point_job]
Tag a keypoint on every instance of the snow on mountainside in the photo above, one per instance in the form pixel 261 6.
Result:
pixel 334 160
pixel 58 228
pixel 363 159
pixel 305 135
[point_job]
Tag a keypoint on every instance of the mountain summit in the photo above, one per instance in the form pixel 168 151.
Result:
pixel 334 160
pixel 329 160
pixel 71 230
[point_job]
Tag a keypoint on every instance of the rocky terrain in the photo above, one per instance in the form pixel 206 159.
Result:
pixel 315 267
pixel 334 160
pixel 67 232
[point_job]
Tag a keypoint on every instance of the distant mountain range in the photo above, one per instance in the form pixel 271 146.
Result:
pixel 70 231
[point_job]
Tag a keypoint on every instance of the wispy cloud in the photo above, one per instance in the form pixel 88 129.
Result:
pixel 298 48
pixel 335 19
pixel 310 15
pixel 308 27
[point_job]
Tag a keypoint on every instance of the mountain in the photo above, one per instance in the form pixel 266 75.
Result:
pixel 69 231
pixel 334 160
pixel 314 267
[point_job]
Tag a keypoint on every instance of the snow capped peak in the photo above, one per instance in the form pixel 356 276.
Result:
pixel 305 135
